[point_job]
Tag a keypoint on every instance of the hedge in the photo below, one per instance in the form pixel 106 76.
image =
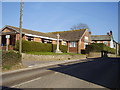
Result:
pixel 98 47
pixel 31 46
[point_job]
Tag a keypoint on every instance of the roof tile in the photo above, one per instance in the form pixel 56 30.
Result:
pixel 71 35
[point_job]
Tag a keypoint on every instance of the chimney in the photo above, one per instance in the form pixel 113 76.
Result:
pixel 107 33
pixel 90 33
pixel 110 32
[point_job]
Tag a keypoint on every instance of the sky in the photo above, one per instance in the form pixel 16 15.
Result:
pixel 101 17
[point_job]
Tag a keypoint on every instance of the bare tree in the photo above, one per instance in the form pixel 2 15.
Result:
pixel 79 26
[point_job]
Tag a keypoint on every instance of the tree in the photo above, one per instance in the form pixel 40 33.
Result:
pixel 79 26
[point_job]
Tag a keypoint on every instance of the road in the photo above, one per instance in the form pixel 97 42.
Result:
pixel 97 73
pixel 35 62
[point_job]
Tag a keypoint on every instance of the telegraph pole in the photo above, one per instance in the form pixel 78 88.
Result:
pixel 20 27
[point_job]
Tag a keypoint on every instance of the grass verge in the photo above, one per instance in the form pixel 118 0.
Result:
pixel 11 60
pixel 51 53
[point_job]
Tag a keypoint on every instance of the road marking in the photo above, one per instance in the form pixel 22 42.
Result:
pixel 56 72
pixel 26 82
pixel 30 66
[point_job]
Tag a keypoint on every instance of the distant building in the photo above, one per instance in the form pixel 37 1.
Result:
pixel 76 40
pixel 106 39
pixel 116 46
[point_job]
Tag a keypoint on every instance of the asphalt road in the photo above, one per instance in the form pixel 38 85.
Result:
pixel 98 73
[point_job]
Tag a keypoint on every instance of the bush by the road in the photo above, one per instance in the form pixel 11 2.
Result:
pixel 31 46
pixel 10 59
pixel 98 47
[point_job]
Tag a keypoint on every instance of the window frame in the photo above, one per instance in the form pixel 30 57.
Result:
pixel 105 42
pixel 73 44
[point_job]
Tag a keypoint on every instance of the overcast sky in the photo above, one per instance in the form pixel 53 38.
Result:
pixel 101 17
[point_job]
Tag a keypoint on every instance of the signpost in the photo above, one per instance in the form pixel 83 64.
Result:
pixel 7 36
pixel 7 41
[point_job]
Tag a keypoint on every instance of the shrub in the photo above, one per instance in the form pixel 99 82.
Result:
pixel 98 47
pixel 31 46
pixel 63 48
pixel 10 59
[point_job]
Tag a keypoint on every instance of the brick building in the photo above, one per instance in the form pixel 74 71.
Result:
pixel 76 40
pixel 106 39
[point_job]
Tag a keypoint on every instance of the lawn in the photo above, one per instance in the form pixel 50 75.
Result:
pixel 51 53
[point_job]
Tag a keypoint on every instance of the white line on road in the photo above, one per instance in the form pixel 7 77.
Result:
pixel 30 66
pixel 26 82
pixel 56 72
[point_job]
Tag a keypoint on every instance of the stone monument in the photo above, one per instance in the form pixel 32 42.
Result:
pixel 58 50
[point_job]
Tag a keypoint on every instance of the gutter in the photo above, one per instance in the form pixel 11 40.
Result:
pixel 41 36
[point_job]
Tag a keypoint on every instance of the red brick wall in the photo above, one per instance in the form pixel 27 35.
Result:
pixel 75 49
pixel 82 45
pixel 36 39
pixel 82 39
pixel 24 37
pixel 68 44
pixel 54 42
pixel 17 36
pixel 9 47
pixel 109 43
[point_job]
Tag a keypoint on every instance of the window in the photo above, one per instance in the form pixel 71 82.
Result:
pixel 105 42
pixel 72 44
pixel 64 43
pixel 29 38
pixel 98 41
pixel 46 40
pixel 114 46
pixel 86 39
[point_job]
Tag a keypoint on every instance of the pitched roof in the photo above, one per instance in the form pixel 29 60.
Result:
pixel 100 37
pixel 26 31
pixel 71 35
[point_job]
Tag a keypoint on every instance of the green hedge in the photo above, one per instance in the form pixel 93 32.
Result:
pixel 10 59
pixel 31 46
pixel 98 47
